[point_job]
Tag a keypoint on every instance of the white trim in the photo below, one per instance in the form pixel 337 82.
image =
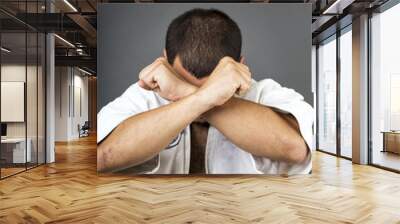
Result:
pixel 65 41
pixel 5 50
pixel 70 5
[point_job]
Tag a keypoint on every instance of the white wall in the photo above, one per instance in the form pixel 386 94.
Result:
pixel 15 72
pixel 80 103
pixel 9 73
pixel 70 83
pixel 33 127
pixel 61 103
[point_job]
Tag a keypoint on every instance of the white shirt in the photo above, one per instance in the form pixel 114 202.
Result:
pixel 221 155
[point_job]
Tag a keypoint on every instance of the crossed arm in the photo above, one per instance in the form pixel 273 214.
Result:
pixel 258 129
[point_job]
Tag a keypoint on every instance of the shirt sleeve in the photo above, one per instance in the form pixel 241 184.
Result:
pixel 286 100
pixel 133 101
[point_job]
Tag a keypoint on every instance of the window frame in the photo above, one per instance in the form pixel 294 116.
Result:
pixel 27 29
pixel 381 9
pixel 337 35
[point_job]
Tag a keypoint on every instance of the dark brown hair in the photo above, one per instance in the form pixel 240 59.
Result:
pixel 201 37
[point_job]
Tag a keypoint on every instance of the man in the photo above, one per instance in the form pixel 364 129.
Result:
pixel 197 110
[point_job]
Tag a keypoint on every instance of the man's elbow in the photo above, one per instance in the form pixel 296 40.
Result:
pixel 297 152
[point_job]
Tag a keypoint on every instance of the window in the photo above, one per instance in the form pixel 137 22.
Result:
pixel 15 150
pixel 333 137
pixel 22 77
pixel 327 96
pixel 385 88
pixel 346 92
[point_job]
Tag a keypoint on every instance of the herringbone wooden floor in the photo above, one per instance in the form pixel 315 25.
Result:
pixel 70 191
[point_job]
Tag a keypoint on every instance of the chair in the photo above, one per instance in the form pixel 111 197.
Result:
pixel 84 130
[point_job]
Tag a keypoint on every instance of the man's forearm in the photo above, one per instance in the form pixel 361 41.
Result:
pixel 144 135
pixel 259 130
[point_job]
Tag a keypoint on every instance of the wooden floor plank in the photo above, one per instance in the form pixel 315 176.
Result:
pixel 70 191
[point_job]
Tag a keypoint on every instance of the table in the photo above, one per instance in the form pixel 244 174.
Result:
pixel 391 141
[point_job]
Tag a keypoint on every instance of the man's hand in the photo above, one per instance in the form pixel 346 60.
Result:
pixel 160 77
pixel 228 78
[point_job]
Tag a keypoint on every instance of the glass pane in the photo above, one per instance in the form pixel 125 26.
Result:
pixel 13 88
pixel 327 96
pixel 385 84
pixel 41 98
pixel 31 97
pixel 32 87
pixel 346 94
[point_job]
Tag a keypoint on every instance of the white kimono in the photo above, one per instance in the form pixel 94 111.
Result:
pixel 221 156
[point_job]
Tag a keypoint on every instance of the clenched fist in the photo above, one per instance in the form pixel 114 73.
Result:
pixel 160 77
pixel 228 78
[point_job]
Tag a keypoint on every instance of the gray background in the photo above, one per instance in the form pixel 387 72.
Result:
pixel 276 42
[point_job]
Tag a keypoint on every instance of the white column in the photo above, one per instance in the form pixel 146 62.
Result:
pixel 360 90
pixel 50 92
pixel 50 99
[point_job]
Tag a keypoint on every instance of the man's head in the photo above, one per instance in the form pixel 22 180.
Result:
pixel 198 39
